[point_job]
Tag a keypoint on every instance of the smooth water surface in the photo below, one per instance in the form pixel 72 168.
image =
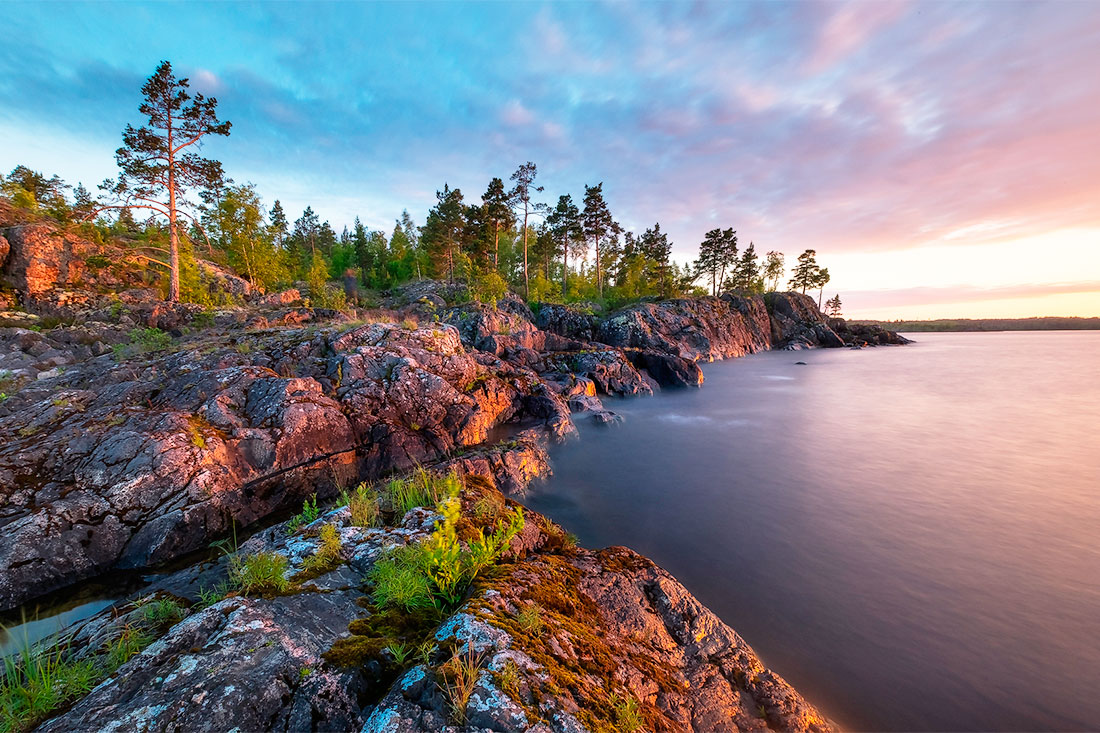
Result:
pixel 910 535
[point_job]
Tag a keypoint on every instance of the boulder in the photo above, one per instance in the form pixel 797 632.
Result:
pixel 282 298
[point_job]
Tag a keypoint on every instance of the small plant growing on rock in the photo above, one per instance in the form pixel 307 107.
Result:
pixel 456 681
pixel 363 505
pixel 162 611
pixel 309 514
pixel 529 619
pixel 400 653
pixel 327 556
pixel 627 717
pixel 264 572
pixel 409 324
pixel 508 678
pixel 209 596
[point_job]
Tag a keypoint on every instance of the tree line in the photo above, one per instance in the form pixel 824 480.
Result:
pixel 508 237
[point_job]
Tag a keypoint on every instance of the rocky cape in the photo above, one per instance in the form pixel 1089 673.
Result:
pixel 126 449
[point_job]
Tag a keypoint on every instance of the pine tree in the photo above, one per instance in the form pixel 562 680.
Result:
pixel 278 226
pixel 598 225
pixel 748 271
pixel 520 197
pixel 805 272
pixel 498 213
pixel 157 170
pixel 442 232
pixel 655 246
pixel 833 306
pixel 717 255
pixel 565 228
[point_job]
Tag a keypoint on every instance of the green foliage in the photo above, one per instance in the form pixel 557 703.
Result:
pixel 262 573
pixel 627 716
pixel 488 287
pixel 309 514
pixel 400 652
pixel 142 341
pixel 438 571
pixel 327 556
pixel 162 611
pixel 363 504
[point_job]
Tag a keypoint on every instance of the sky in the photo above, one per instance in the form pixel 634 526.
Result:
pixel 943 159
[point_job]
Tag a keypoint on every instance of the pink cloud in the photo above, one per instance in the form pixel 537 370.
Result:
pixel 850 25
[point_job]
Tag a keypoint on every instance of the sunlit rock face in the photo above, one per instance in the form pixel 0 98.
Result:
pixel 134 463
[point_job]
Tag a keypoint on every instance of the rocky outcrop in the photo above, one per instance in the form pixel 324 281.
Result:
pixel 43 259
pixel 615 634
pixel 559 639
pixel 221 283
pixel 5 250
pixel 866 334
pixel 126 465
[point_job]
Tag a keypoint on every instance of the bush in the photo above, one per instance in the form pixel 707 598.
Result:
pixel 437 572
pixel 488 287
pixel 309 514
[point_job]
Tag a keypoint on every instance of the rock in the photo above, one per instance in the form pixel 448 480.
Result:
pixel 221 282
pixel 568 322
pixel 668 370
pixel 606 417
pixel 609 369
pixel 165 456
pixel 612 623
pixel 5 250
pixel 285 297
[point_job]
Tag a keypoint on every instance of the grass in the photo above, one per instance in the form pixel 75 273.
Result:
pixel 400 652
pixel 410 324
pixel 508 678
pixel 363 504
pixel 209 596
pixel 530 619
pixel 327 556
pixel 162 611
pixel 456 681
pixel 310 512
pixel 264 572
pixel 420 489
pixel 37 681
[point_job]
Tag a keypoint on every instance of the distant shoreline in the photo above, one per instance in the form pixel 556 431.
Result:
pixel 1049 323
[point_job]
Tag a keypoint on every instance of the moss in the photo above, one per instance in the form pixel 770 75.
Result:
pixel 588 675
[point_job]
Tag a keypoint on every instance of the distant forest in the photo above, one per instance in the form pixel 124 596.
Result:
pixel 1050 323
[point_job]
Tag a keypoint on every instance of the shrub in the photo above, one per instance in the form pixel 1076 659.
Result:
pixel 263 572
pixel 142 341
pixel 410 324
pixel 627 717
pixel 438 571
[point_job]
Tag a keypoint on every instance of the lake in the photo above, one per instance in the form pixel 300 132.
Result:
pixel 910 535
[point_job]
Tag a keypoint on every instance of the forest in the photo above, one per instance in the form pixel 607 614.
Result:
pixel 169 206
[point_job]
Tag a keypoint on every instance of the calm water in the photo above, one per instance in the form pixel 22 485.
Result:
pixel 911 536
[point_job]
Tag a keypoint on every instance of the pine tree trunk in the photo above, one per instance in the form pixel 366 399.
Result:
pixel 565 272
pixel 496 245
pixel 173 234
pixel 526 279
pixel 599 280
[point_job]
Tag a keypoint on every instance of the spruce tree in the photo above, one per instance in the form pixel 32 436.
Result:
pixel 598 225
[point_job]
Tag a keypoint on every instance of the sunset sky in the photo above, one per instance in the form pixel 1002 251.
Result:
pixel 943 159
